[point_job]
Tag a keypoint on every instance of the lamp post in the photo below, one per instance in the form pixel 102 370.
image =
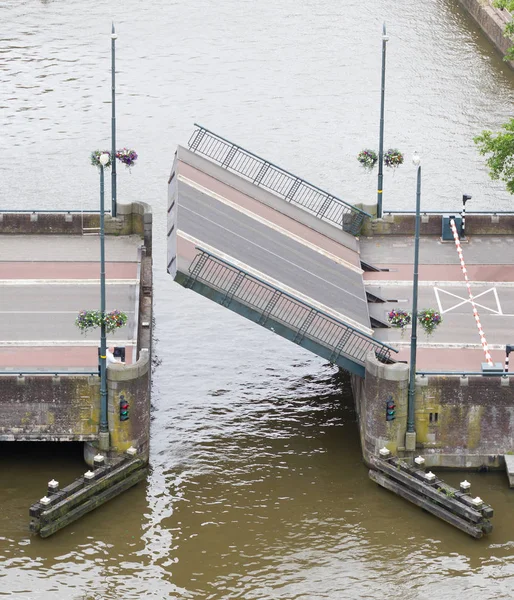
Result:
pixel 410 441
pixel 385 38
pixel 113 121
pixel 104 426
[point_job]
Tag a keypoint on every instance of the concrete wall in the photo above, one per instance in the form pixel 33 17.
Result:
pixel 49 408
pixel 432 225
pixel 132 384
pixel 135 218
pixel 491 21
pixel 463 423
pixel 67 408
pixel 371 394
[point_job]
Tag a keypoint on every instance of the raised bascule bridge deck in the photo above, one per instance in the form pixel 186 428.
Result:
pixel 280 251
pixel 272 247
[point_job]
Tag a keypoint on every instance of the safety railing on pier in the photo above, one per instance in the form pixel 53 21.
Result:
pixel 287 186
pixel 274 304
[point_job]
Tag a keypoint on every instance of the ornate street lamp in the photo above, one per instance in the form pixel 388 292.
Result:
pixel 114 35
pixel 104 426
pixel 410 443
pixel 385 39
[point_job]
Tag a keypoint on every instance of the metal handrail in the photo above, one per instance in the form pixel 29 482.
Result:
pixel 62 211
pixel 465 373
pixel 21 372
pixel 265 174
pixel 282 307
pixel 450 212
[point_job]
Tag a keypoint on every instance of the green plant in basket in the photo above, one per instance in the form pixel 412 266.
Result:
pixel 91 319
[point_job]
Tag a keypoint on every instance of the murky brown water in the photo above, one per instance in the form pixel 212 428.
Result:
pixel 257 488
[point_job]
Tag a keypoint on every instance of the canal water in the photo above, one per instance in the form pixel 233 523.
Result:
pixel 257 489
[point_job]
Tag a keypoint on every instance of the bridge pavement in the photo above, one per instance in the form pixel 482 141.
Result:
pixel 45 281
pixel 456 344
pixel 279 248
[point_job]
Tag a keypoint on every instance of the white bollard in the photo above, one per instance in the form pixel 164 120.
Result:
pixel 465 486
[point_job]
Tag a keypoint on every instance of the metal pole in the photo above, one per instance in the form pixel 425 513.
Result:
pixel 104 427
pixel 413 338
pixel 508 350
pixel 113 121
pixel 465 198
pixel 381 138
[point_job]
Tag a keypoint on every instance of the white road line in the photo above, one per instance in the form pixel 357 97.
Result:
pixel 246 240
pixel 48 312
pixel 276 283
pixel 394 284
pixel 447 346
pixel 49 343
pixel 467 300
pixel 67 281
pixel 270 224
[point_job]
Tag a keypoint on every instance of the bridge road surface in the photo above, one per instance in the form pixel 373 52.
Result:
pixel 456 344
pixel 270 245
pixel 45 280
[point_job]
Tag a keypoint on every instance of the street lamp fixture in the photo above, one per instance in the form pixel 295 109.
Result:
pixel 410 441
pixel 104 426
pixel 385 39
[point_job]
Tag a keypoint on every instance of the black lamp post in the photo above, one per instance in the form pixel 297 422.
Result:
pixel 113 121
pixel 413 340
pixel 104 426
pixel 385 38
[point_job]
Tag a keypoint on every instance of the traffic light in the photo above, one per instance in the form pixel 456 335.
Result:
pixel 124 409
pixel 390 409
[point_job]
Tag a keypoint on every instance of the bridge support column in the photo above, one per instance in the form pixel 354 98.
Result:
pixel 382 383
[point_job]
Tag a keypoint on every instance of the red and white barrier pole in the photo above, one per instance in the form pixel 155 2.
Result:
pixel 471 299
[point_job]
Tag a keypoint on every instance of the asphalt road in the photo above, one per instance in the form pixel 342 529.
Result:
pixel 272 253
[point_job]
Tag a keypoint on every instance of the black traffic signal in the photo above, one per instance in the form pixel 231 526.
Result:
pixel 390 409
pixel 124 409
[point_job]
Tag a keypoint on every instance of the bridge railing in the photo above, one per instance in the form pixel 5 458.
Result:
pixel 274 304
pixel 284 184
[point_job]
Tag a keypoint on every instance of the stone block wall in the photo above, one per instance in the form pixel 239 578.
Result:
pixel 49 408
pixel 460 422
pixel 132 384
pixel 371 393
pixel 404 224
pixel 134 218
pixel 491 21
pixel 465 422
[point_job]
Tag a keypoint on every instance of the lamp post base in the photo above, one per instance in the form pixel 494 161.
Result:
pixel 104 441
pixel 410 441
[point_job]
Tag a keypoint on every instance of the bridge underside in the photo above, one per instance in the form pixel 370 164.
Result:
pixel 268 260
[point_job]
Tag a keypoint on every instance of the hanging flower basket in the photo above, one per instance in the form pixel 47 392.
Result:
pixel 399 318
pixel 367 159
pixel 127 156
pixel 95 158
pixel 91 319
pixel 429 319
pixel 393 158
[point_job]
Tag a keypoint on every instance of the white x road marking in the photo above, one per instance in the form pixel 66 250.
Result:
pixel 498 310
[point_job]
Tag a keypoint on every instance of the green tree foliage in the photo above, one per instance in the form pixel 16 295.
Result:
pixel 509 27
pixel 499 149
